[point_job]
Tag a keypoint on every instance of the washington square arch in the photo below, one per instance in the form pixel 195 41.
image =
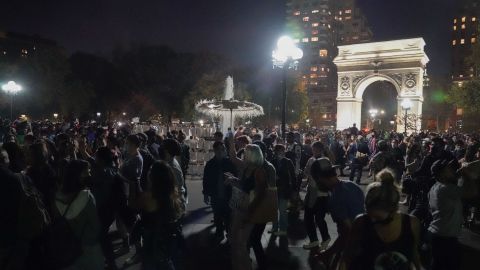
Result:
pixel 400 62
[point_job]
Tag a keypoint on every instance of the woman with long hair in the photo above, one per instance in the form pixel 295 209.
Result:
pixel 248 192
pixel 161 208
pixel 383 238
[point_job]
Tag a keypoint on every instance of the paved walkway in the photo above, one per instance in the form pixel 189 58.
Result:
pixel 204 251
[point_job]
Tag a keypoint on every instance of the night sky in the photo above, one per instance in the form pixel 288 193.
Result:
pixel 244 30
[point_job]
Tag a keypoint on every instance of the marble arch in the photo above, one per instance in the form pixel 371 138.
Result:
pixel 400 62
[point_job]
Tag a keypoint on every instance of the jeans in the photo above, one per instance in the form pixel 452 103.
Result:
pixel 356 168
pixel 445 253
pixel 221 215
pixel 314 217
pixel 282 223
pixel 240 234
pixel 255 242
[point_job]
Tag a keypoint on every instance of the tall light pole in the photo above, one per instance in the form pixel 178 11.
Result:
pixel 286 57
pixel 406 105
pixel 12 89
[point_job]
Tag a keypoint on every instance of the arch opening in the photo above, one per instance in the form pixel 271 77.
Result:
pixel 379 106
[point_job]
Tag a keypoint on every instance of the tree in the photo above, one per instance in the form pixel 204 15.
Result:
pixel 466 96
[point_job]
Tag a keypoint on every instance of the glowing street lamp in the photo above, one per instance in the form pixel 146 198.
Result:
pixel 12 89
pixel 124 113
pixel 406 105
pixel 286 57
pixel 99 114
pixel 55 115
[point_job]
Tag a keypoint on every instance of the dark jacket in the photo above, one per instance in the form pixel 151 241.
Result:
pixel 213 173
pixel 285 177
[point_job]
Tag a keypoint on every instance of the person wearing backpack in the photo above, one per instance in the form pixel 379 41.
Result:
pixel 74 242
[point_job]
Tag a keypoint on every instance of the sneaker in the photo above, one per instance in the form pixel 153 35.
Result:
pixel 280 233
pixel 311 245
pixel 324 244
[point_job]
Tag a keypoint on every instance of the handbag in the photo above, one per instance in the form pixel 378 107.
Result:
pixel 267 210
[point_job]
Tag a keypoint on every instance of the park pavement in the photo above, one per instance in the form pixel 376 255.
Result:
pixel 205 252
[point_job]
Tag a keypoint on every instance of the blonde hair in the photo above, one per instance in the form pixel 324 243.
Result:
pixel 384 194
pixel 253 155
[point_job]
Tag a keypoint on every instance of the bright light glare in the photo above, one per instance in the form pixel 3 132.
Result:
pixel 286 49
pixel 406 104
pixel 11 87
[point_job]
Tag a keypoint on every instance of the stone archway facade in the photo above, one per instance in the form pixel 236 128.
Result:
pixel 401 62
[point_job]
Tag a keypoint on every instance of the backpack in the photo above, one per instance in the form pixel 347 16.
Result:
pixel 33 217
pixel 63 247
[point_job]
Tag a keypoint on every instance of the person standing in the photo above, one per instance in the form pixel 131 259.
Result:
pixel 215 192
pixel 285 183
pixel 316 204
pixel 445 201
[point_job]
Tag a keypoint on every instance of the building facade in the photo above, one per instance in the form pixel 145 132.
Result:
pixel 318 27
pixel 465 35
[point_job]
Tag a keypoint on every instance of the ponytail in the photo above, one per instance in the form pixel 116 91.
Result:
pixel 383 194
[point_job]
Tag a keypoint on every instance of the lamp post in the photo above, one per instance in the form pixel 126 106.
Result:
pixel 406 105
pixel 286 57
pixel 12 89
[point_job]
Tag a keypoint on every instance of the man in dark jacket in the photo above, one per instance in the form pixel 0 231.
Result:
pixel 215 192
pixel 285 188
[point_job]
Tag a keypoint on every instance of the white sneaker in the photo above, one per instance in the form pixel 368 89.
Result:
pixel 324 244
pixel 311 245
pixel 280 233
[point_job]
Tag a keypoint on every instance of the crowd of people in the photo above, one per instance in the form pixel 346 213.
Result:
pixel 64 185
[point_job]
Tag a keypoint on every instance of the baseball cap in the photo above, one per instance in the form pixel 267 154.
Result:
pixel 323 167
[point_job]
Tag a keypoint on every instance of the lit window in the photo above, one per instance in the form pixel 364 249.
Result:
pixel 340 18
pixel 454 20
pixel 315 11
pixel 473 40
pixel 463 26
pixel 296 13
pixel 462 41
pixel 340 12
pixel 314 68
pixel 348 18
pixel 454 42
pixel 304 39
pixel 313 76
pixel 474 19
pixel 306 19
pixel 464 19
pixel 461 76
pixel 315 32
pixel 454 27
pixel 329 26
pixel 348 11
pixel 314 24
pixel 323 53
pixel 314 39
pixel 4 52
pixel 323 69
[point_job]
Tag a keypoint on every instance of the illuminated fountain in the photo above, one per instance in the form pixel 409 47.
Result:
pixel 228 109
